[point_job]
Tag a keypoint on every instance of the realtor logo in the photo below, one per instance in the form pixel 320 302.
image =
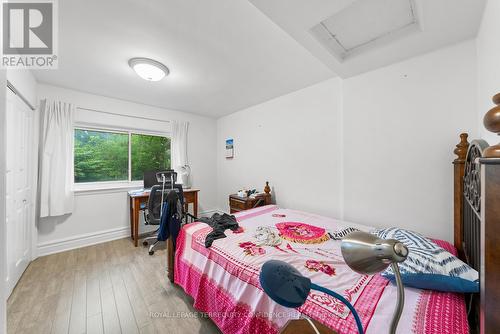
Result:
pixel 29 34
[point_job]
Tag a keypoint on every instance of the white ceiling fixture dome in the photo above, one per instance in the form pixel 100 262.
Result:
pixel 149 69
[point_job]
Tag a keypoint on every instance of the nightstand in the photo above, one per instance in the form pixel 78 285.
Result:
pixel 237 204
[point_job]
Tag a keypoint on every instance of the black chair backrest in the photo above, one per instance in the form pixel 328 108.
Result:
pixel 153 177
pixel 154 201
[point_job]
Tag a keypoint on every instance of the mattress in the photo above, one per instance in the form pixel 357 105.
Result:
pixel 224 281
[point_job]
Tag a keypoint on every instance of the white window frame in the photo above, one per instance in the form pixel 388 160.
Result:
pixel 120 184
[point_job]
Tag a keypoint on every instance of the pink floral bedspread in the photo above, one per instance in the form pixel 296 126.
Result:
pixel 224 282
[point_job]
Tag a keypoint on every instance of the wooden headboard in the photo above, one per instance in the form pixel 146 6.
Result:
pixel 477 219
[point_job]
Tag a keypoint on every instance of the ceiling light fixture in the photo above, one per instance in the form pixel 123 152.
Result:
pixel 149 69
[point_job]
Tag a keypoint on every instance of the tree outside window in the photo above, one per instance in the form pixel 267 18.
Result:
pixel 103 156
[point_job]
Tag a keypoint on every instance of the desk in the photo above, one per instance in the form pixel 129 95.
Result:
pixel 136 198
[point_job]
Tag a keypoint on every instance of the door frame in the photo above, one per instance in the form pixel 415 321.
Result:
pixel 3 230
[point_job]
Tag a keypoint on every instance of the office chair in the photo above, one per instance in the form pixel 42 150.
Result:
pixel 156 199
pixel 157 196
pixel 152 216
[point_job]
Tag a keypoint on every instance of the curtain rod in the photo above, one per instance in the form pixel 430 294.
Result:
pixel 21 96
pixel 117 114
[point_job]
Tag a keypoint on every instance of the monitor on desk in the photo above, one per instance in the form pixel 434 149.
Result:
pixel 152 178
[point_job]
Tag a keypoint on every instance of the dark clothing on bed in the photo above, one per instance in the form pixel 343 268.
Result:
pixel 219 224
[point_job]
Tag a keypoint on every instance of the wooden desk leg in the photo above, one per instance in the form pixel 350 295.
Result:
pixel 195 205
pixel 131 204
pixel 137 204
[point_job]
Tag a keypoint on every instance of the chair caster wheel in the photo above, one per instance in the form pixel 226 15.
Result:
pixel 145 243
pixel 151 252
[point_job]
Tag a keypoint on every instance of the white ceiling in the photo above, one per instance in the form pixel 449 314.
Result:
pixel 441 23
pixel 224 55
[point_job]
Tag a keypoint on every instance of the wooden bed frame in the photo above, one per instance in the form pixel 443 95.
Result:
pixel 476 221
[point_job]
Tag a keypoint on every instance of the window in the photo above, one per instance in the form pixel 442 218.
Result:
pixel 106 156
pixel 100 156
pixel 149 153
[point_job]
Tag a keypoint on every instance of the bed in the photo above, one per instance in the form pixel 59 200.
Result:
pixel 223 279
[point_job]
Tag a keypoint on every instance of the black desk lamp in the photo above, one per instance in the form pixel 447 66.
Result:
pixel 362 252
pixel 288 287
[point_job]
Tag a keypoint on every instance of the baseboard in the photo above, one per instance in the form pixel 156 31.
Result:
pixel 82 240
pixel 89 239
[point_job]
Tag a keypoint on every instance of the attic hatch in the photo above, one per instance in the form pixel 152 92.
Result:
pixel 364 25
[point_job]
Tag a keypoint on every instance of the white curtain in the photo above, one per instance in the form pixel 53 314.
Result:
pixel 179 145
pixel 56 158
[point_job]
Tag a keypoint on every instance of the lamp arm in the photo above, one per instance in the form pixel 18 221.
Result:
pixel 401 298
pixel 345 301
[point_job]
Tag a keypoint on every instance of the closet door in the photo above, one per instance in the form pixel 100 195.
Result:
pixel 21 163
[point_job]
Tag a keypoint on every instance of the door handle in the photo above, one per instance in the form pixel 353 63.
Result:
pixel 24 201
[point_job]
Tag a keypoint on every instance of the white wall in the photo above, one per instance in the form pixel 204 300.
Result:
pixel 488 56
pixel 104 215
pixel 376 148
pixel 401 124
pixel 294 142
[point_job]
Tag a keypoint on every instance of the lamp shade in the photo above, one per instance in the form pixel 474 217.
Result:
pixel 284 284
pixel 367 254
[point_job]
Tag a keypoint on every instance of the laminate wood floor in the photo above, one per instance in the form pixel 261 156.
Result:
pixel 107 288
